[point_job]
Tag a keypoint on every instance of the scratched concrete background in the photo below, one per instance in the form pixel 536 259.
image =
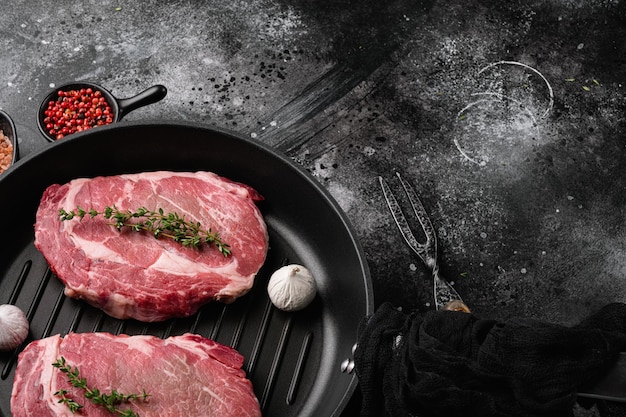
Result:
pixel 507 117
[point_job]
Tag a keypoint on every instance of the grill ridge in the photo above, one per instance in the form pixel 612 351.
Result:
pixel 299 368
pixel 278 356
pixel 218 323
pixel 55 313
pixel 29 315
pixel 20 282
pixel 260 337
pixel 98 324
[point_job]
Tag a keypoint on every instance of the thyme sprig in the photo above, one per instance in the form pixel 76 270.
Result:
pixel 159 223
pixel 109 401
pixel 69 402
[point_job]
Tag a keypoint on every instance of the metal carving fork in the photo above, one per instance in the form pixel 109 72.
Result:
pixel 445 296
pixel 610 387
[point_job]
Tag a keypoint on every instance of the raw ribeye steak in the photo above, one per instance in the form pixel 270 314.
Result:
pixel 186 375
pixel 131 274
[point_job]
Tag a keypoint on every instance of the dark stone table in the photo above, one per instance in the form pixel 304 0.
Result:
pixel 508 118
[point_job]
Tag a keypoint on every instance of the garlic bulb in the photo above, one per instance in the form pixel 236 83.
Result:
pixel 291 287
pixel 13 327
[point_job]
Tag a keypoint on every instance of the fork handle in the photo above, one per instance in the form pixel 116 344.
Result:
pixel 446 297
pixel 457 305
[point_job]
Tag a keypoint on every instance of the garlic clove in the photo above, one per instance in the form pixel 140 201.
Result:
pixel 292 287
pixel 14 327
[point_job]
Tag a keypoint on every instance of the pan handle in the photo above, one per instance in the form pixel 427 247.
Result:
pixel 347 366
pixel 148 96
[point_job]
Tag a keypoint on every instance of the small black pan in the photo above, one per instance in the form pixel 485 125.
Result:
pixel 8 128
pixel 120 107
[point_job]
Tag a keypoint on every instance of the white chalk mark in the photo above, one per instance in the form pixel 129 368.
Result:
pixel 495 97
pixel 458 117
pixel 545 80
pixel 466 156
pixel 503 97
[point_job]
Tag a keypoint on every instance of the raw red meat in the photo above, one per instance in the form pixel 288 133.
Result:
pixel 131 274
pixel 186 375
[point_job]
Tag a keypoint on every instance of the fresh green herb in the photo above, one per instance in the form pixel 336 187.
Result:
pixel 170 225
pixel 70 403
pixel 108 401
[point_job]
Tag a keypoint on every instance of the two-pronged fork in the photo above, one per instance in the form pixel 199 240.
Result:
pixel 444 294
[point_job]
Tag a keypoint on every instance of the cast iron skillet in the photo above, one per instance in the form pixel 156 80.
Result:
pixel 293 359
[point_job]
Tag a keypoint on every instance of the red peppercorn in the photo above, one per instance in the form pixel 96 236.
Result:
pixel 75 111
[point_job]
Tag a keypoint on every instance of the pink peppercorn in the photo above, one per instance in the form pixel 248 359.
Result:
pixel 75 111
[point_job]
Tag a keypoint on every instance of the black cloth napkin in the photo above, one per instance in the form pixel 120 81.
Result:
pixel 444 363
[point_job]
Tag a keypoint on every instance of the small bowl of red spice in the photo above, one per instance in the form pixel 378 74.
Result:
pixel 8 142
pixel 76 107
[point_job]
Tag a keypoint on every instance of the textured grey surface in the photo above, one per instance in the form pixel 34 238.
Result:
pixel 520 166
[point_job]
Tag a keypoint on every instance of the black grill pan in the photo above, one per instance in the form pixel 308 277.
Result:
pixel 296 361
